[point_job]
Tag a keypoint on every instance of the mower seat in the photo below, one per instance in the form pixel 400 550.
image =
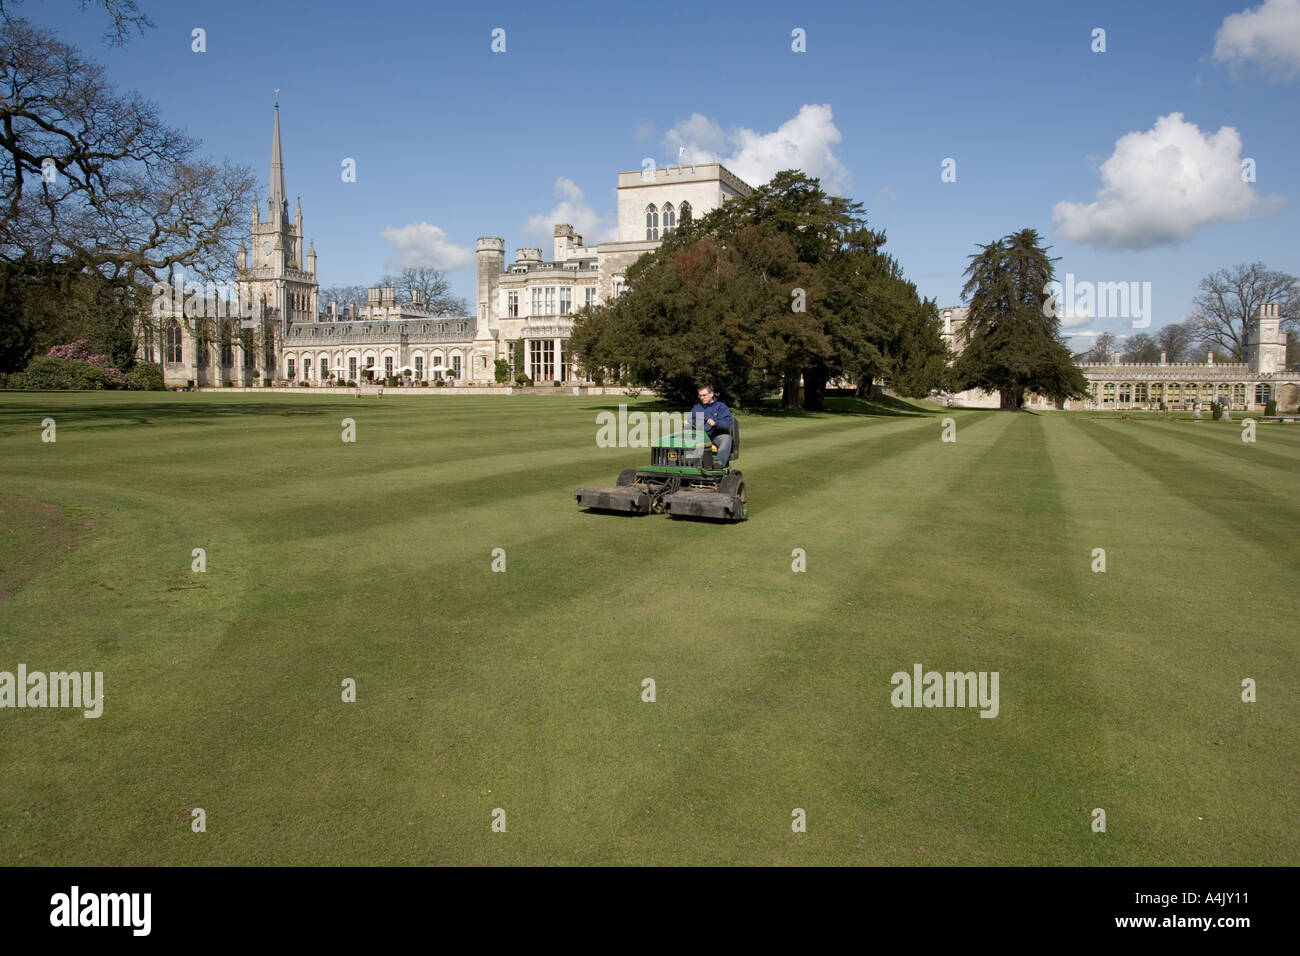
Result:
pixel 735 440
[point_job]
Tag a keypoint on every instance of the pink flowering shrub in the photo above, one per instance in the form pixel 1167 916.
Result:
pixel 73 365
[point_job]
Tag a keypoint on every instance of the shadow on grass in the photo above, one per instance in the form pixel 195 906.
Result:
pixel 880 406
pixel 112 415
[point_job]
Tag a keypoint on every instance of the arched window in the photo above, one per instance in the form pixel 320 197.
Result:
pixel 173 343
pixel 419 367
pixel 684 213
pixel 651 222
pixel 227 346
pixel 670 217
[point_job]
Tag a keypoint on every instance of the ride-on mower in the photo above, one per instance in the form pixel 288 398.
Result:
pixel 680 481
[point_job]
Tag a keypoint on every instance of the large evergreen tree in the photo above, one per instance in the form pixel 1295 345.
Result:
pixel 1015 341
pixel 783 286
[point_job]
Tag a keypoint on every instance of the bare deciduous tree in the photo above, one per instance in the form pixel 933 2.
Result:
pixel 433 288
pixel 1176 341
pixel 1230 298
pixel 1140 348
pixel 1103 348
pixel 95 178
pixel 122 16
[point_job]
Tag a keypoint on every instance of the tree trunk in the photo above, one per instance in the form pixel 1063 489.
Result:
pixel 814 389
pixel 864 387
pixel 1012 399
pixel 790 391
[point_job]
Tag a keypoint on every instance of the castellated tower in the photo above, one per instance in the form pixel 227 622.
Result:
pixel 1265 349
pixel 491 263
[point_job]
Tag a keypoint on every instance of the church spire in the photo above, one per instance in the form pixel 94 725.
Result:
pixel 276 198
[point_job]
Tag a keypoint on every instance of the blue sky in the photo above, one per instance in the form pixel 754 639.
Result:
pixel 453 141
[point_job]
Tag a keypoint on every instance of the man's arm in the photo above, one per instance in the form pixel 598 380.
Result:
pixel 722 419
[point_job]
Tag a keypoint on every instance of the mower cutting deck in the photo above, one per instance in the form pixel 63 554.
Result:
pixel 680 481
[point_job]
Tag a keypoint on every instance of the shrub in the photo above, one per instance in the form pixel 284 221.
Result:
pixel 227 383
pixel 522 379
pixel 1270 407
pixel 46 372
pixel 502 368
pixel 147 377
pixel 557 383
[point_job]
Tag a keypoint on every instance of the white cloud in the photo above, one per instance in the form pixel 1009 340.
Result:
pixel 1162 185
pixel 886 195
pixel 806 141
pixel 422 245
pixel 573 209
pixel 1267 35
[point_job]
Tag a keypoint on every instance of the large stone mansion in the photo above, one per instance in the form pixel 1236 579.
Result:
pixel 524 308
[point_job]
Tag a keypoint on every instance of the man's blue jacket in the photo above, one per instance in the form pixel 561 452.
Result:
pixel 719 412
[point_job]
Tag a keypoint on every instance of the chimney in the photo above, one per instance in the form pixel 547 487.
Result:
pixel 1164 358
pixel 388 296
pixel 334 310
pixel 417 298
pixel 1209 358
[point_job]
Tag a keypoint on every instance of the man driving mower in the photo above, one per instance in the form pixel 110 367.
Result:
pixel 714 417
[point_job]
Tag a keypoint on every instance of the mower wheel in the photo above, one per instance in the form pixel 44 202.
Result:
pixel 733 484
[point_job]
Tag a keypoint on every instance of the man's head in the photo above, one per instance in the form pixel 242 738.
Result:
pixel 706 394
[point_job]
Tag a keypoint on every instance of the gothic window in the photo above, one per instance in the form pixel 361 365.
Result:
pixel 651 222
pixel 684 213
pixel 670 219
pixel 148 343
pixel 388 366
pixel 226 347
pixel 172 350
pixel 419 366
pixel 289 368
pixel 246 344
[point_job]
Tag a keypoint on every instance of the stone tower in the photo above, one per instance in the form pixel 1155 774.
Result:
pixel 273 274
pixel 491 263
pixel 1265 349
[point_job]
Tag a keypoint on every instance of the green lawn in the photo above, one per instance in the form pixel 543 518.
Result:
pixel 478 690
